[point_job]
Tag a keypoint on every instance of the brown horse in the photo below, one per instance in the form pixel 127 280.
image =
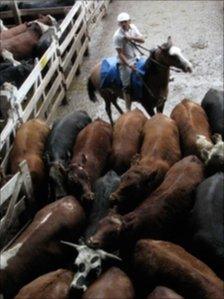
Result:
pixel 155 80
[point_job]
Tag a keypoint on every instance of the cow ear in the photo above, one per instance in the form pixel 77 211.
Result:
pixel 135 159
pixel 84 159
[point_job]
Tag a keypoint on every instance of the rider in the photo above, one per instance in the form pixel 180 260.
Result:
pixel 123 39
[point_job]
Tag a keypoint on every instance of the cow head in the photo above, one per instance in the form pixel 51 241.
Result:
pixel 137 182
pixel 88 265
pixel 57 175
pixel 108 232
pixel 79 181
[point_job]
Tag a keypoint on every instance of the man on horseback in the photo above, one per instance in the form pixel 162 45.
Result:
pixel 123 39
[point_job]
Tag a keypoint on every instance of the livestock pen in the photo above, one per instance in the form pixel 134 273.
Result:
pixel 53 81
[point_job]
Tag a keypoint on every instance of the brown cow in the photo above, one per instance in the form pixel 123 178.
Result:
pixel 113 284
pixel 160 150
pixel 53 285
pixel 160 262
pixel 90 155
pixel 29 145
pixel 163 293
pixel 22 45
pixel 160 214
pixel 16 30
pixel 38 249
pixel 196 137
pixel 127 136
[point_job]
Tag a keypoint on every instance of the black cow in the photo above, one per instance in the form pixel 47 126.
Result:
pixel 59 147
pixel 103 187
pixel 44 42
pixel 44 4
pixel 15 74
pixel 213 104
pixel 207 221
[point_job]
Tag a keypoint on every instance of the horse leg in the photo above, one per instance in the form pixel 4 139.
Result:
pixel 117 106
pixel 108 110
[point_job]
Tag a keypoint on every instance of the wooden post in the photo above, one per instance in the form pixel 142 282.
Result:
pixel 16 12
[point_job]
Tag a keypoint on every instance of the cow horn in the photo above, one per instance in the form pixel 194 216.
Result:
pixel 105 255
pixel 76 246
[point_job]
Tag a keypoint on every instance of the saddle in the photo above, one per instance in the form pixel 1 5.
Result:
pixel 110 76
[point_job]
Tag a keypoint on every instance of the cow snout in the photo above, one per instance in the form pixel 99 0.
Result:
pixel 93 243
pixel 113 199
pixel 88 197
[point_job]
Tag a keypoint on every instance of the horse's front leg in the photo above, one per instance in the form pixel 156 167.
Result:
pixel 108 110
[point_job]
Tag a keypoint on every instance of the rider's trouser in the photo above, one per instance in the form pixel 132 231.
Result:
pixel 125 75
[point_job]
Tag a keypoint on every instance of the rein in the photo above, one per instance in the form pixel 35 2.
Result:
pixel 137 46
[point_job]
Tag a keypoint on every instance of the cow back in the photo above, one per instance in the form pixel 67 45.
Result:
pixel 127 138
pixel 191 121
pixel 213 104
pixel 53 285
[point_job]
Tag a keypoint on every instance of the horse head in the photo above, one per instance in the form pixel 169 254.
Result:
pixel 167 55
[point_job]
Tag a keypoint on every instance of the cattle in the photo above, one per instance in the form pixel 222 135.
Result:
pixel 164 263
pixel 38 249
pixel 90 156
pixel 59 147
pixel 160 215
pixel 127 137
pixel 29 145
pixel 13 31
pixel 21 46
pixel 16 75
pixel 102 189
pixel 206 222
pixel 53 285
pixel 163 293
pixel 196 136
pixel 113 284
pixel 159 151
pixel 213 104
pixel 45 4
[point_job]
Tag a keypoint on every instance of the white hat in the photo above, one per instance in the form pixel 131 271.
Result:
pixel 123 17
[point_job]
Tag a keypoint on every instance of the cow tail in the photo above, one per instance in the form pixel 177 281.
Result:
pixel 91 91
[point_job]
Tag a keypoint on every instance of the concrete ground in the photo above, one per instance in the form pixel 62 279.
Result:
pixel 195 26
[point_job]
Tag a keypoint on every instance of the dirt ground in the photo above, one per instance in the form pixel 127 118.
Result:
pixel 195 26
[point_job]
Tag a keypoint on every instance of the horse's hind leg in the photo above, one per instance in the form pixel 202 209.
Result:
pixel 117 106
pixel 108 110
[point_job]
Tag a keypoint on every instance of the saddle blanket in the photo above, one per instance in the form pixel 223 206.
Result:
pixel 110 76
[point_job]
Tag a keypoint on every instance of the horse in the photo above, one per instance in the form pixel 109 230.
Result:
pixel 154 81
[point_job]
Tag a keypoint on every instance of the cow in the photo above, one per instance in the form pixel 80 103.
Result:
pixel 160 215
pixel 102 189
pixel 58 149
pixel 164 263
pixel 161 292
pixel 29 145
pixel 114 283
pixel 16 75
pixel 38 249
pixel 206 222
pixel 53 285
pixel 127 137
pixel 45 4
pixel 213 104
pixel 21 46
pixel 195 135
pixel 90 155
pixel 159 151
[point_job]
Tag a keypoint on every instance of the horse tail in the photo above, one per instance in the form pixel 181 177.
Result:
pixel 91 91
